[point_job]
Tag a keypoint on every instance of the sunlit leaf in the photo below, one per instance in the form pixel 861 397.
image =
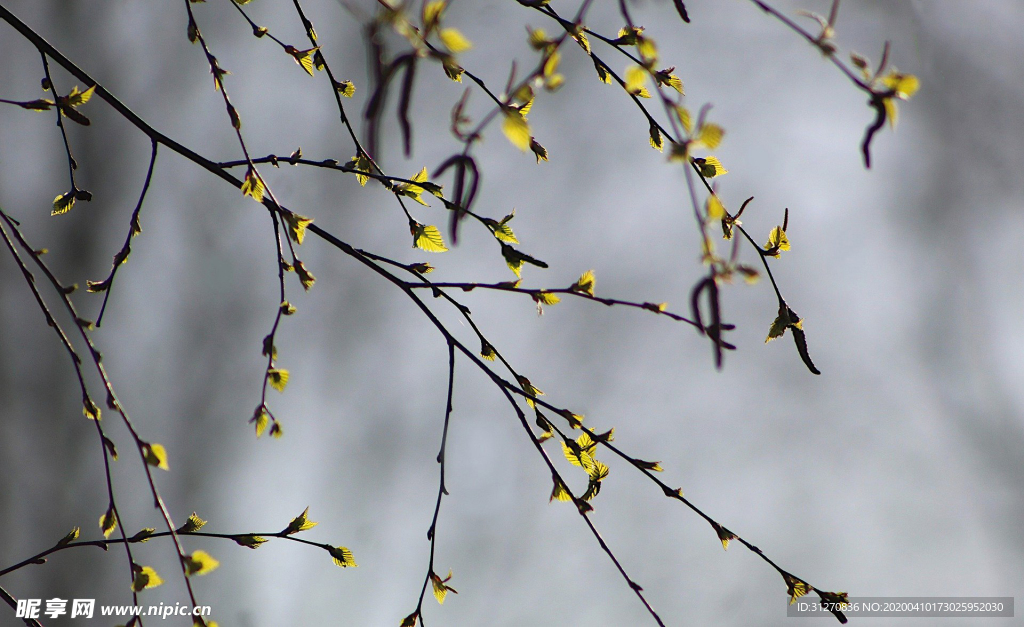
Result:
pixel 278 378
pixel 108 522
pixel 684 118
pixel 560 492
pixel 647 49
pixel 145 578
pixel 432 13
pixel 635 78
pixel 156 455
pixel 905 85
pixel 584 284
pixel 715 209
pixel 253 185
pixel 710 167
pixel 724 535
pixel 143 535
pixel 779 325
pixel 303 57
pixel 76 98
pixel 581 38
pixel 200 563
pixel 70 537
pixel 90 410
pixel 454 40
pixel 655 138
pixel 551 64
pixel 516 129
pixel 711 135
pixel 300 523
pixel 487 352
pixel 194 523
pixel 342 556
pixel 414 191
pixel 410 620
pixel 529 390
pixel 250 541
pixel 276 431
pixel 546 298
pixel 361 163
pixel 428 238
pixel 441 587
pixel 305 276
pixel 777 242
pixel 297 226
pixel 346 88
pixel 795 588
pixel 63 203
pixel 652 466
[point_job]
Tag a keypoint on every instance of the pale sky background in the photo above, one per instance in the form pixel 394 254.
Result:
pixel 897 472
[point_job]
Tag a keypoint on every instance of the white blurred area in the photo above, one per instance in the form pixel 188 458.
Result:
pixel 897 472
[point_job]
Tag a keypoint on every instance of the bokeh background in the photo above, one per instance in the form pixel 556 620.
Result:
pixel 897 472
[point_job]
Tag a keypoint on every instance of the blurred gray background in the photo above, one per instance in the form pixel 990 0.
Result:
pixel 897 472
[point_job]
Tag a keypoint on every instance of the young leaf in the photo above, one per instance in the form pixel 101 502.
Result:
pixel 253 185
pixel 796 588
pixel 454 40
pixel 635 78
pixel 303 57
pixel 578 456
pixel 108 522
pixel 145 577
pixel 502 231
pixel 156 455
pixel 300 523
pixel 715 209
pixel 710 167
pixel 487 352
pixel 652 466
pixel 260 419
pixel 777 242
pixel 346 88
pixel 278 378
pixel 655 138
pixel 250 541
pixel 584 284
pixel 432 13
pixel 516 129
pixel 90 410
pixel 452 69
pixel 143 535
pixel 200 563
pixel 63 203
pixel 724 535
pixel 412 190
pixel 410 620
pixel 779 325
pixel 538 151
pixel 297 226
pixel 711 135
pixel 305 276
pixel 441 587
pixel 428 238
pixel 194 523
pixel 342 556
pixel 546 298
pixel 70 537
pixel 560 492
pixel 361 163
